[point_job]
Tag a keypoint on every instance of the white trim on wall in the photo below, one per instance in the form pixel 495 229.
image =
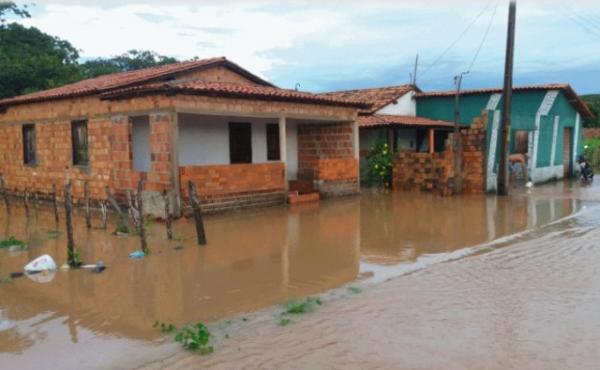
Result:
pixel 491 177
pixel 554 139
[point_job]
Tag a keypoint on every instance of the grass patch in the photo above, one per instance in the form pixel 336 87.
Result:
pixel 6 280
pixel 164 328
pixel 12 241
pixel 354 290
pixel 285 321
pixel 297 307
pixel 194 337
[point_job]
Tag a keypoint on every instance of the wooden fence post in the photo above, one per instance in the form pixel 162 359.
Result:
pixel 195 203
pixel 86 195
pixel 54 205
pixel 26 202
pixel 104 213
pixel 168 215
pixel 140 213
pixel 4 194
pixel 72 260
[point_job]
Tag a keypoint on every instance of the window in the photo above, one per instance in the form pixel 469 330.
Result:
pixel 273 142
pixel 29 144
pixel 240 142
pixel 79 139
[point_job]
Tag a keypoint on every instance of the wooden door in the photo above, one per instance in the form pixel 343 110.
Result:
pixel 567 160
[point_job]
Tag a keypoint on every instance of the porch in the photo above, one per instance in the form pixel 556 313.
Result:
pixel 244 160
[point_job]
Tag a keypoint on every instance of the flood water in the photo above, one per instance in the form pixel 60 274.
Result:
pixel 259 258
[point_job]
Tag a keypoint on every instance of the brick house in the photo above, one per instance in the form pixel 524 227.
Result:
pixel 242 140
pixel 391 115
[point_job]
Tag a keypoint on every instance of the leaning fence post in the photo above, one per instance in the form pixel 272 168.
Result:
pixel 195 203
pixel 113 202
pixel 168 216
pixel 132 211
pixel 71 259
pixel 140 213
pixel 104 213
pixel 54 205
pixel 86 195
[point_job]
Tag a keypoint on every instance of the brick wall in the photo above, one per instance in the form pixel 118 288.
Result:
pixel 591 133
pixel 325 156
pixel 222 187
pixel 435 171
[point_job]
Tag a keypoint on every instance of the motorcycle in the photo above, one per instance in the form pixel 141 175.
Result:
pixel 587 173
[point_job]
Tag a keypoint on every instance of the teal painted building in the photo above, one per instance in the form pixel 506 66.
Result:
pixel 546 124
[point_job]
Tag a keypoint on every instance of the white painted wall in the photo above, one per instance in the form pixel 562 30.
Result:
pixel 292 150
pixel 204 140
pixel 140 143
pixel 406 106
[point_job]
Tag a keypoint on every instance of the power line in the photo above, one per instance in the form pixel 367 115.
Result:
pixel 455 41
pixel 485 35
pixel 581 21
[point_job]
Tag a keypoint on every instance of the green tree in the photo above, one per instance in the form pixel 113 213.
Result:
pixel 10 7
pixel 130 61
pixel 593 102
pixel 31 60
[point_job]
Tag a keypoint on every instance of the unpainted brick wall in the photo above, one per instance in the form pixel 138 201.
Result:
pixel 326 156
pixel 435 171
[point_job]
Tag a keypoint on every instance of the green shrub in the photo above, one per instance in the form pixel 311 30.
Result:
pixel 379 170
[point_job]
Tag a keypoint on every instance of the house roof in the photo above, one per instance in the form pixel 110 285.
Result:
pixel 571 95
pixel 121 80
pixel 231 90
pixel 377 98
pixel 375 120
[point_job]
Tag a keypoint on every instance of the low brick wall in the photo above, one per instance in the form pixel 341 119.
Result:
pixel 435 171
pixel 224 187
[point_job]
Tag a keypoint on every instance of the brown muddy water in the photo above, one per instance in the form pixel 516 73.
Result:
pixel 537 271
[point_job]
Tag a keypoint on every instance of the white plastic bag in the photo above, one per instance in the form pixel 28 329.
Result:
pixel 42 263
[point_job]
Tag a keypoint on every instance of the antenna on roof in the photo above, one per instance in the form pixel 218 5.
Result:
pixel 414 75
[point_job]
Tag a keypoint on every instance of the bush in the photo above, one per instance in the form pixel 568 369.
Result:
pixel 379 171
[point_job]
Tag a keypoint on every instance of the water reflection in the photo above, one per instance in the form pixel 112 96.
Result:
pixel 253 259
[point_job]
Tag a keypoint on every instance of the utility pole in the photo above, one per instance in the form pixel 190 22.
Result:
pixel 457 141
pixel 503 177
pixel 414 76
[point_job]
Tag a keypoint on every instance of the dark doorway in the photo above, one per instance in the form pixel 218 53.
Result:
pixel 521 142
pixel 567 160
pixel 240 142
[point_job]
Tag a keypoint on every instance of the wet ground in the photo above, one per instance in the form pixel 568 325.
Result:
pixel 519 286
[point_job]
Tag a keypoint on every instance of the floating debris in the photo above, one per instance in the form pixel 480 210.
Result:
pixel 137 255
pixel 42 263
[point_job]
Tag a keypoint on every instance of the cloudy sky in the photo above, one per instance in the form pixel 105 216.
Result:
pixel 330 45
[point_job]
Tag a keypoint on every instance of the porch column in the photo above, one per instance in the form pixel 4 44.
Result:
pixel 355 142
pixel 431 141
pixel 283 148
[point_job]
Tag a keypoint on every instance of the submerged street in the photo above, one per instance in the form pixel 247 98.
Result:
pixel 406 280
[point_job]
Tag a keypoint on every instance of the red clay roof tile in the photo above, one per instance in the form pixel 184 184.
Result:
pixel 377 97
pixel 221 89
pixel 374 120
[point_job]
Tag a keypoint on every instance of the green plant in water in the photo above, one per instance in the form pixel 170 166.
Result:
pixel 195 338
pixel 284 321
pixel 74 259
pixel 53 234
pixel 379 169
pixel 11 242
pixel 297 307
pixel 122 227
pixel 354 290
pixel 164 328
pixel 6 279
